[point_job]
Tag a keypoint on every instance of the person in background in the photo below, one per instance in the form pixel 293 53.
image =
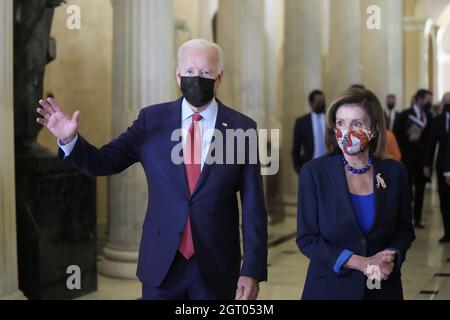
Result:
pixel 392 147
pixel 354 207
pixel 439 136
pixel 412 135
pixel 391 114
pixel 358 86
pixel 309 132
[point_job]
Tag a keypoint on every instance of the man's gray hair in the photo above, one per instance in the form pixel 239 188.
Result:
pixel 201 43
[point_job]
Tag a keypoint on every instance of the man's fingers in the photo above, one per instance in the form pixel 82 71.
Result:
pixel 244 292
pixel 254 293
pixel 53 105
pixel 42 102
pixel 239 292
pixel 42 112
pixel 42 121
pixel 46 105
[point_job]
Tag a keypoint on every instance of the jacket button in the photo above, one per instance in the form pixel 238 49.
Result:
pixel 363 241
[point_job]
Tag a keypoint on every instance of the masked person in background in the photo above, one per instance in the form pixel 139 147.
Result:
pixel 439 135
pixel 354 209
pixel 412 135
pixel 309 132
pixel 190 245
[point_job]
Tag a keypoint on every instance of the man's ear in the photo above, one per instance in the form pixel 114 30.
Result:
pixel 219 80
pixel 177 74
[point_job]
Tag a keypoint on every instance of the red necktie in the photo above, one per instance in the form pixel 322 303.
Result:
pixel 192 153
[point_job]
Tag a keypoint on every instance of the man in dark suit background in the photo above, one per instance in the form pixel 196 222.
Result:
pixel 439 135
pixel 190 246
pixel 391 114
pixel 412 134
pixel 309 132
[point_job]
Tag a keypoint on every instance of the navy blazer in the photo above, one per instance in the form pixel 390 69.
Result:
pixel 438 134
pixel 412 152
pixel 327 225
pixel 212 207
pixel 303 145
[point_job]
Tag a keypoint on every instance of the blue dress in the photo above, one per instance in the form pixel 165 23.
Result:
pixel 364 207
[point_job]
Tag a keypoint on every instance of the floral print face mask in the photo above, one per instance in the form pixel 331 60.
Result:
pixel 353 142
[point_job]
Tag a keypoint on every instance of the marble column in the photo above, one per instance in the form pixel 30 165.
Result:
pixel 383 75
pixel 9 287
pixel 241 35
pixel 343 58
pixel 143 74
pixel 414 66
pixel 242 38
pixel 206 12
pixel 443 58
pixel 301 75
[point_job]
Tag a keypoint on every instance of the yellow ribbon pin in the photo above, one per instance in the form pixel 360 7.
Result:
pixel 380 182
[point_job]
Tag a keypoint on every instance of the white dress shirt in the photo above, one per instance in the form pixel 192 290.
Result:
pixel 318 123
pixel 206 125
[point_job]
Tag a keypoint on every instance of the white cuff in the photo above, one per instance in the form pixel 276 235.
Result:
pixel 67 148
pixel 447 174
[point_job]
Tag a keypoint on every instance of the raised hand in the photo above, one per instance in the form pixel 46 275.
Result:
pixel 61 125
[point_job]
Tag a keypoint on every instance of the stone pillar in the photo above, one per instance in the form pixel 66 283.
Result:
pixel 301 75
pixel 242 38
pixel 443 58
pixel 274 29
pixel 383 75
pixel 143 74
pixel 413 35
pixel 241 35
pixel 9 287
pixel 206 12
pixel 343 59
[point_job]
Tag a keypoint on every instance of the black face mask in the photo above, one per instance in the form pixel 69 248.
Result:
pixel 320 108
pixel 391 106
pixel 198 91
pixel 427 106
pixel 447 107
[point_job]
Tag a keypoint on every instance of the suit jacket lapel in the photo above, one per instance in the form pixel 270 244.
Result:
pixel 309 133
pixel 379 191
pixel 336 174
pixel 222 124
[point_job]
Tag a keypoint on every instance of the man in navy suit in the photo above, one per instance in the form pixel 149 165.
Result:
pixel 309 132
pixel 412 133
pixel 190 246
pixel 391 114
pixel 439 134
